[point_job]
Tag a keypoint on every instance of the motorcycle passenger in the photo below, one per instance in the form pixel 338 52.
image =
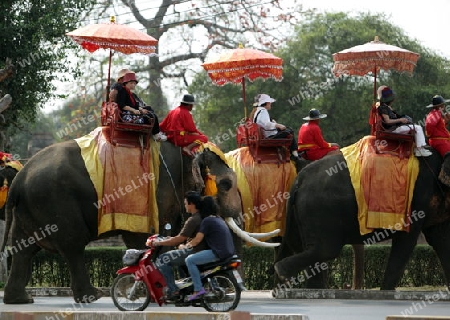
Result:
pixel 217 235
pixel 167 261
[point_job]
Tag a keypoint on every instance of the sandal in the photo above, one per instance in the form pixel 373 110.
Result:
pixel 196 295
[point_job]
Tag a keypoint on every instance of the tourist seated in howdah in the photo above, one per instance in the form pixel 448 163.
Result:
pixel 396 123
pixel 133 109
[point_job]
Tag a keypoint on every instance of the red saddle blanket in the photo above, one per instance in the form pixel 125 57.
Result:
pixel 125 179
pixel 383 184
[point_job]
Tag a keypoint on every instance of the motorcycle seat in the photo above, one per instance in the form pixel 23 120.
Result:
pixel 211 265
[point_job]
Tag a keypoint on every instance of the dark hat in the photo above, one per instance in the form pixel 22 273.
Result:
pixel 437 101
pixel 315 114
pixel 131 76
pixel 188 99
pixel 387 95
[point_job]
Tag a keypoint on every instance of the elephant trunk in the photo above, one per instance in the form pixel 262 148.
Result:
pixel 245 236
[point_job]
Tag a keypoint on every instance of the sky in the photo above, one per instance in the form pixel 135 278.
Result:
pixel 424 23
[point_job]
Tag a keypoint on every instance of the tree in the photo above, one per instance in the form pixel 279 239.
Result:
pixel 76 118
pixel 188 30
pixel 33 38
pixel 308 81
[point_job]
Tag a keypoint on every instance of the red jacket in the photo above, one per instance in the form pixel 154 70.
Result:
pixel 180 128
pixel 439 136
pixel 310 139
pixel 435 125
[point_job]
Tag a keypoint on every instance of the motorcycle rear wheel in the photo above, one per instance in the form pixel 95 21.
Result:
pixel 123 297
pixel 224 297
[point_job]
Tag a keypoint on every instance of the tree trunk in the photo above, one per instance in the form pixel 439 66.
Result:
pixel 157 99
pixel 5 102
pixel 358 266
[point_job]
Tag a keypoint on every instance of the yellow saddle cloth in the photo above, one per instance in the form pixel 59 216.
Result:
pixel 383 184
pixel 264 190
pixel 125 180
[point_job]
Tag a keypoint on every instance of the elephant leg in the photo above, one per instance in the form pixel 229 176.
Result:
pixel 83 291
pixel 310 261
pixel 284 250
pixel 403 244
pixel 438 237
pixel 22 252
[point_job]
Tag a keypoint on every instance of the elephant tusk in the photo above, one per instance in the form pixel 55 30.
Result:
pixel 264 235
pixel 245 236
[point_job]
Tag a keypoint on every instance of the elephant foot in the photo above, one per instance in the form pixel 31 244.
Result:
pixel 281 274
pixel 92 296
pixel 10 299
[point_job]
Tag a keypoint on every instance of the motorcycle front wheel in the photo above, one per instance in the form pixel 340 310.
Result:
pixel 129 294
pixel 222 293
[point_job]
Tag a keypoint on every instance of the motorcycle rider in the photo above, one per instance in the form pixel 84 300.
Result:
pixel 167 261
pixel 217 235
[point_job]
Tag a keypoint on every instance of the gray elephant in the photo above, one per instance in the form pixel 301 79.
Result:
pixel 50 206
pixel 322 218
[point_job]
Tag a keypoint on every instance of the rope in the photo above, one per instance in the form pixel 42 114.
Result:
pixel 173 183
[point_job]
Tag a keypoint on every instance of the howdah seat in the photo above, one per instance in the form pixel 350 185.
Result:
pixel 125 133
pixel 263 150
pixel 400 144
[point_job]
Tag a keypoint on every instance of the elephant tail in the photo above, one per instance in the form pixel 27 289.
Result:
pixel 10 205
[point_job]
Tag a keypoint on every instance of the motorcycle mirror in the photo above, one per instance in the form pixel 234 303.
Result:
pixel 168 226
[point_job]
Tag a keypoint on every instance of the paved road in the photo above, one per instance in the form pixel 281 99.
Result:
pixel 262 302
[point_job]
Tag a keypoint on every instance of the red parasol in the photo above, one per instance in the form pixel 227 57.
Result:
pixel 372 57
pixel 236 65
pixel 116 37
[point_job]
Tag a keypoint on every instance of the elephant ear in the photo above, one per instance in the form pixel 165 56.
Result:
pixel 444 175
pixel 199 184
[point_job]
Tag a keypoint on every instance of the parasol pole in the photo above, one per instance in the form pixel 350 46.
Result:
pixel 108 83
pixel 375 84
pixel 243 97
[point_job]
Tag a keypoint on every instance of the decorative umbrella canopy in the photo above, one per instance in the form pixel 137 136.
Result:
pixel 116 37
pixel 372 57
pixel 236 65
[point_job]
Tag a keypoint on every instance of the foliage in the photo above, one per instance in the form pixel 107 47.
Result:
pixel 25 143
pixel 76 118
pixel 33 36
pixel 308 81
pixel 102 262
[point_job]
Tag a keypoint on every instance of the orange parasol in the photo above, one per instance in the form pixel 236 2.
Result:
pixel 116 37
pixel 236 65
pixel 372 57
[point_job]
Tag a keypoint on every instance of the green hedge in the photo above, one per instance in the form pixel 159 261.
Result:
pixel 49 270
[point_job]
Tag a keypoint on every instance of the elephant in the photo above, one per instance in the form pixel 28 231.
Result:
pixel 322 217
pixel 51 201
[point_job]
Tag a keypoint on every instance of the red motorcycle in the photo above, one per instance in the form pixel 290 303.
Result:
pixel 140 283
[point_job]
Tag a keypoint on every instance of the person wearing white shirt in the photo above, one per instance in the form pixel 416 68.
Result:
pixel 272 129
